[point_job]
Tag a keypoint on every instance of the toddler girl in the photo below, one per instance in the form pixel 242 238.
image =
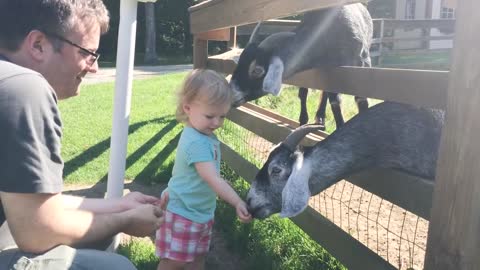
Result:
pixel 184 238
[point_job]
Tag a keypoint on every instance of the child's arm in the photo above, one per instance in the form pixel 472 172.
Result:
pixel 207 171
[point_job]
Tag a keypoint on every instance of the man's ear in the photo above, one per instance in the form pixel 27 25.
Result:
pixel 272 83
pixel 296 192
pixel 36 43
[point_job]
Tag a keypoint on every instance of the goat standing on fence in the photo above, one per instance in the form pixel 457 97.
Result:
pixel 388 135
pixel 338 36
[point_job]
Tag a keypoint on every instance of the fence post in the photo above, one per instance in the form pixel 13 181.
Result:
pixel 453 237
pixel 200 52
pixel 232 43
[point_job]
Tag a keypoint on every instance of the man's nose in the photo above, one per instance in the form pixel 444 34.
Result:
pixel 93 68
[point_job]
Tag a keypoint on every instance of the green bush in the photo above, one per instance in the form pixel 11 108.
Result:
pixel 273 243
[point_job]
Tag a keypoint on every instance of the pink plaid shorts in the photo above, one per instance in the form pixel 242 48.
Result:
pixel 181 239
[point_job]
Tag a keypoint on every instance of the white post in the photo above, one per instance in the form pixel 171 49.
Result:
pixel 123 91
pixel 121 105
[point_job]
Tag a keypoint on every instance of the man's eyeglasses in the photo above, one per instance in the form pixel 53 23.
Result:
pixel 93 55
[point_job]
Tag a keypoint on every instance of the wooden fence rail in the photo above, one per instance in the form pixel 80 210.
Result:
pixel 417 87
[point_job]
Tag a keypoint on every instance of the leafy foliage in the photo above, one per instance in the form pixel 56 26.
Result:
pixel 172 28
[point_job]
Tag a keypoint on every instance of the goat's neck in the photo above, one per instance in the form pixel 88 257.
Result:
pixel 388 135
pixel 293 60
pixel 336 157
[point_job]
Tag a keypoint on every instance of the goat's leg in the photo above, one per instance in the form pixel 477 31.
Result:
pixel 302 95
pixel 362 104
pixel 335 101
pixel 322 107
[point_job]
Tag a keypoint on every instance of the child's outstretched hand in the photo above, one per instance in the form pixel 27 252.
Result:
pixel 243 213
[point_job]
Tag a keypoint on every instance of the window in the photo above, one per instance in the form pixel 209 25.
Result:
pixel 410 9
pixel 446 12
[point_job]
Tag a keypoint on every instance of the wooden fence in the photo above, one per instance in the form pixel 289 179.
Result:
pixel 453 234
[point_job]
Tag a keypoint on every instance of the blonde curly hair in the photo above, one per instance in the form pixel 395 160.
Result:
pixel 202 85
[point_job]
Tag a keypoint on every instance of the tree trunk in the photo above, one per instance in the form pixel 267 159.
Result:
pixel 151 56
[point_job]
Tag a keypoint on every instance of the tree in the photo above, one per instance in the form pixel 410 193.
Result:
pixel 150 56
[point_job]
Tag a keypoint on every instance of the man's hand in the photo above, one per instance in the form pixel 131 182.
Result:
pixel 143 220
pixel 135 199
pixel 147 217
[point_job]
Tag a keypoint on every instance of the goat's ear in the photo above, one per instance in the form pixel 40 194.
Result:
pixel 255 71
pixel 296 192
pixel 273 80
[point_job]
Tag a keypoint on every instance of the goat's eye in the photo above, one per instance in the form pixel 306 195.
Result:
pixel 276 171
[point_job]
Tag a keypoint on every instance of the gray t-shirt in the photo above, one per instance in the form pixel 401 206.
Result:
pixel 30 133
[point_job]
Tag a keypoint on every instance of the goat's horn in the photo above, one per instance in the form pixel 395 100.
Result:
pixel 255 34
pixel 298 134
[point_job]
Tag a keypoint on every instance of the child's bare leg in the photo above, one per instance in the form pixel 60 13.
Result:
pixel 197 264
pixel 166 264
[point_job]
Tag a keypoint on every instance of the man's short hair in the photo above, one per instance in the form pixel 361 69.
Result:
pixel 20 17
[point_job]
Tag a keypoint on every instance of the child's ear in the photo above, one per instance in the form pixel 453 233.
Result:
pixel 186 107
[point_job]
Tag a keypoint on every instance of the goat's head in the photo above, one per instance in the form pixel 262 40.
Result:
pixel 259 71
pixel 247 79
pixel 281 185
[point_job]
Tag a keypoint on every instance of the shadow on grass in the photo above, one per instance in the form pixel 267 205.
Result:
pixel 149 171
pixel 148 174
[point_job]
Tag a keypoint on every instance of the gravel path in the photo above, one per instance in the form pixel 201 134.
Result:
pixel 139 72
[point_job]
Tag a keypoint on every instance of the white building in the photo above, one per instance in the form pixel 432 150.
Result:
pixel 423 9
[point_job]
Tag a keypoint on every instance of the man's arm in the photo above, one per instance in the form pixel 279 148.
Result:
pixel 112 205
pixel 39 222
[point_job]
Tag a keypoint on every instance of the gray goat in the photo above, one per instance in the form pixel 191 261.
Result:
pixel 338 36
pixel 388 135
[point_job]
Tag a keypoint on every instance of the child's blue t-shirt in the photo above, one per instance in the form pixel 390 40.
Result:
pixel 190 196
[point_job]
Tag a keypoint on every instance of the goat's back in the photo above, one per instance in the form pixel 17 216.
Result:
pixel 330 37
pixel 397 136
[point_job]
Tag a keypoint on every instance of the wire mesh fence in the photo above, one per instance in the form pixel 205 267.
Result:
pixel 392 232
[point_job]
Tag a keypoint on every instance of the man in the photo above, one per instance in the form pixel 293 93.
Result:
pixel 46 49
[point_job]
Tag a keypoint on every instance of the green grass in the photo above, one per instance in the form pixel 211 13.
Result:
pixel 430 60
pixel 288 105
pixel 152 136
pixel 141 253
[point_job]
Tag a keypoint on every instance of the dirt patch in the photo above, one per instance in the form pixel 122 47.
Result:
pixel 219 257
pixel 393 233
